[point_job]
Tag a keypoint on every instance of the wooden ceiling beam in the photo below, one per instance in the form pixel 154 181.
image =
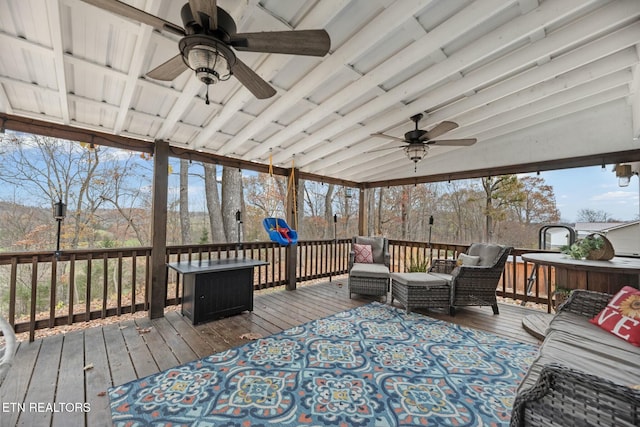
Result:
pixel 372 33
pixel 556 164
pixel 591 52
pixel 38 127
pixel 143 38
pixel 475 52
pixel 428 44
pixel 55 130
pixel 318 18
pixel 507 128
pixel 53 8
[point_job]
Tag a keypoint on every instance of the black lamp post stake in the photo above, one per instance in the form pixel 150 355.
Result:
pixel 239 223
pixel 335 243
pixel 59 212
pixel 430 251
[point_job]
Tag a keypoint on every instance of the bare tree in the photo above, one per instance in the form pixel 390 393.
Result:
pixel 328 212
pixel 231 200
pixel 500 193
pixel 213 203
pixel 50 169
pixel 593 215
pixel 185 223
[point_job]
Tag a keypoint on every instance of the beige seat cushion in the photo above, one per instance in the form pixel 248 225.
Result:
pixel 574 342
pixel 418 279
pixel 369 270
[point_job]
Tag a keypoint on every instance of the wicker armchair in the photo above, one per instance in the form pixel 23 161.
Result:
pixel 8 351
pixel 474 284
pixel 583 376
pixel 370 279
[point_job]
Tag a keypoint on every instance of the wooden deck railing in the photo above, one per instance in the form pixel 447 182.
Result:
pixel 82 285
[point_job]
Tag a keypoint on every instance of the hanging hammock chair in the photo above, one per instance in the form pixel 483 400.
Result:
pixel 277 228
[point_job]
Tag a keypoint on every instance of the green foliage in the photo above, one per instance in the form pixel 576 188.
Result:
pixel 418 265
pixel 204 237
pixel 583 247
pixel 108 243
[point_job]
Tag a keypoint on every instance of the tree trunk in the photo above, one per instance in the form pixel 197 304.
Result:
pixel 328 212
pixel 185 224
pixel 213 203
pixel 231 201
pixel 379 221
pixel 300 207
pixel 371 200
pixel 488 230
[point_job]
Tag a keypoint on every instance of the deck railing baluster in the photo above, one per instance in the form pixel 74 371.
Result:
pixel 87 297
pixel 119 296
pixel 72 283
pixel 12 289
pixel 52 292
pixel 317 259
pixel 34 297
pixel 105 284
pixel 134 270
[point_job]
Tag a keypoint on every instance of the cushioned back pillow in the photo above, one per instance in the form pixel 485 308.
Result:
pixel 363 254
pixel 464 259
pixel 621 316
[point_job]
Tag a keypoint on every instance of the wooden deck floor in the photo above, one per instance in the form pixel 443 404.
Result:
pixel 51 384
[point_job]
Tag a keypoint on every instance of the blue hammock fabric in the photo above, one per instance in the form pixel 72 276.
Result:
pixel 276 228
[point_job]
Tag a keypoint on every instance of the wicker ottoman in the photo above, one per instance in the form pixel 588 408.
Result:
pixel 419 290
pixel 369 279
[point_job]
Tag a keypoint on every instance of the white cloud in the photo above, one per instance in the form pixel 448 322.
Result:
pixel 615 196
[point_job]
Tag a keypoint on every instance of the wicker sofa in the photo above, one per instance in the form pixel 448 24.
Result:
pixel 583 375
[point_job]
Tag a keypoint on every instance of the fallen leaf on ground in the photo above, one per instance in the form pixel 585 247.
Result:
pixel 87 367
pixel 102 393
pixel 250 336
pixel 143 330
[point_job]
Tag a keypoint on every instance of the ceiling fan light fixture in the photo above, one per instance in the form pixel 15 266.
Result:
pixel 209 63
pixel 416 152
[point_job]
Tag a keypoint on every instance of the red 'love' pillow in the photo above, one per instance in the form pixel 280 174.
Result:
pixel 621 316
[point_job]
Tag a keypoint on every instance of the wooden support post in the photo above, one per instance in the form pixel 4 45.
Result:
pixel 292 260
pixel 158 270
pixel 291 257
pixel 362 213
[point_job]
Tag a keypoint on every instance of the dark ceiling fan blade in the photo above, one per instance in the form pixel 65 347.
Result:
pixel 208 7
pixel 384 135
pixel 453 142
pixel 302 42
pixel 442 128
pixel 130 12
pixel 256 85
pixel 169 70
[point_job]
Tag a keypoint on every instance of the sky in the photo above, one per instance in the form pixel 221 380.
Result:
pixel 593 188
pixel 575 189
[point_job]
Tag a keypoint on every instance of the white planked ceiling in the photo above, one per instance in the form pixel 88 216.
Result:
pixel 534 81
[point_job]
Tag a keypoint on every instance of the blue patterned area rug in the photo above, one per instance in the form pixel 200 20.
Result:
pixel 370 366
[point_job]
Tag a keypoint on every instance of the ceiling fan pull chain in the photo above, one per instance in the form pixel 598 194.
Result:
pixel 206 98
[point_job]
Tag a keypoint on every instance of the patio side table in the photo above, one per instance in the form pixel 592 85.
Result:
pixel 420 290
